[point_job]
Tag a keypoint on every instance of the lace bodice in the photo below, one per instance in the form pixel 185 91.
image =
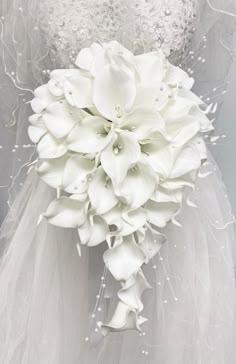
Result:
pixel 143 25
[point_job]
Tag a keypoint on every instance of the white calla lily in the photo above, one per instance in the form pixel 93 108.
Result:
pixel 151 246
pixel 101 193
pixel 182 130
pixel 51 171
pixel 67 212
pixel 175 76
pixel 36 133
pixel 94 231
pixel 37 129
pixel 153 95
pixel 159 214
pixel 159 155
pixel 125 221
pixel 132 291
pixel 151 66
pixel 124 318
pixel 138 185
pixel 91 135
pixel 177 108
pixel 57 79
pixel 187 160
pixel 42 98
pixel 97 56
pixel 78 90
pixel 119 155
pixel 76 171
pixel 59 118
pixel 50 147
pixel 124 260
pixel 142 121
pixel 118 50
pixel 87 56
pixel 114 92
pixel 187 180
pixel 164 195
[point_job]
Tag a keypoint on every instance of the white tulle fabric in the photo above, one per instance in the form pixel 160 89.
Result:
pixel 48 292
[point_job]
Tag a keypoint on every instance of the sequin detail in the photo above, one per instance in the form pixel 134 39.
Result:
pixel 143 25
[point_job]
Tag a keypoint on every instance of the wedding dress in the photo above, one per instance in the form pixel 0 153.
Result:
pixel 51 298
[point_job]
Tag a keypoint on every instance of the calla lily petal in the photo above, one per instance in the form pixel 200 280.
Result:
pixel 112 102
pixel 123 152
pixel 42 98
pixel 175 76
pixel 164 195
pixel 153 95
pixel 101 192
pixel 50 147
pixel 160 213
pixel 131 294
pixel 142 121
pixel 124 260
pixel 177 108
pixel 37 129
pixel 51 171
pixel 36 133
pixel 159 155
pixel 151 66
pixel 179 132
pixel 180 182
pixel 126 222
pixel 151 247
pixel 124 318
pixel 93 233
pixel 87 56
pixel 90 136
pixel 138 185
pixel 75 174
pixel 66 212
pixel 59 118
pixel 78 91
pixel 187 160
pixel 57 79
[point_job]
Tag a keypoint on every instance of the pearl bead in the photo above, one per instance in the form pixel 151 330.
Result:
pixel 116 150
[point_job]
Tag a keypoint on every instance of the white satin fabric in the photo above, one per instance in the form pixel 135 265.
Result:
pixel 48 293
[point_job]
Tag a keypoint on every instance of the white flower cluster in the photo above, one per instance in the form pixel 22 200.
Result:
pixel 119 137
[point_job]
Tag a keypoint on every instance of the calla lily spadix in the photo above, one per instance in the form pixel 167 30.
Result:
pixel 119 137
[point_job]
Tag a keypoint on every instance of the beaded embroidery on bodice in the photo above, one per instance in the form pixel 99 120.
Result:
pixel 144 25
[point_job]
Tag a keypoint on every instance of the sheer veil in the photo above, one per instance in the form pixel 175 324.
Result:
pixel 50 298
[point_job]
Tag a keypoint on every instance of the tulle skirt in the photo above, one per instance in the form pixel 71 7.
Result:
pixel 51 298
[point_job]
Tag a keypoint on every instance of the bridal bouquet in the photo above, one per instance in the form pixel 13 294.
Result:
pixel 119 137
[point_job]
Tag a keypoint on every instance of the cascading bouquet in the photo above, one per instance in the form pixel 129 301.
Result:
pixel 120 137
